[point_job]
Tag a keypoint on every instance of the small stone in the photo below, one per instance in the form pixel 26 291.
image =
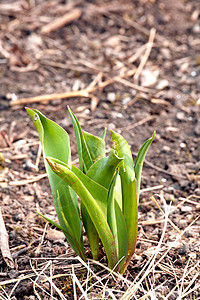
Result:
pixel 165 53
pixel 162 84
pixel 183 250
pixel 32 297
pixel 111 97
pixel 180 116
pixel 12 235
pixel 183 183
pixel 196 28
pixel 166 148
pixel 182 224
pixel 55 235
pixel 111 126
pixel 149 77
pixel 193 255
pixel 18 217
pixel 197 129
pixel 13 273
pixel 182 145
pixel 126 100
pixel 188 234
pixel 186 208
pixel 169 197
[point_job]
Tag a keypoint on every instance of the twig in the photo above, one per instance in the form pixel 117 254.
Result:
pixel 151 188
pixel 4 244
pixel 146 54
pixel 38 156
pixel 170 221
pixel 61 21
pixel 37 251
pixel 145 30
pixel 23 182
pixel 150 264
pixel 72 94
pixel 43 98
pixel 134 86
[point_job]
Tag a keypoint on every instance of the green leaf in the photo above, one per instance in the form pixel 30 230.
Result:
pixel 117 224
pixel 100 195
pixel 91 232
pixel 91 149
pixel 130 215
pixel 55 142
pixel 103 135
pixel 96 146
pixel 99 192
pixel 118 191
pixel 86 154
pixel 97 216
pixel 104 169
pixel 139 162
pixel 129 194
pixel 85 159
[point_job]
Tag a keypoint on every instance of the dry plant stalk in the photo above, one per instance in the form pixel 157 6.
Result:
pixel 87 92
pixel 4 244
pixel 61 21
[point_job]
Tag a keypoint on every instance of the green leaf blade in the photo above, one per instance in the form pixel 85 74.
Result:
pixel 98 218
pixel 55 142
pixel 117 224
pixel 104 169
pixel 85 159
pixel 129 193
pixel 139 162
pixel 96 146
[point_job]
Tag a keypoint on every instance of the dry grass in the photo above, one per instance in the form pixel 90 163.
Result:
pixel 68 277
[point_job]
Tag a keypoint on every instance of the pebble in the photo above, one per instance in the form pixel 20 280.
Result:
pixel 162 84
pixel 13 274
pixel 182 145
pixel 180 116
pixel 192 166
pixel 183 183
pixel 166 148
pixel 186 208
pixel 169 197
pixel 183 250
pixel 196 28
pixel 197 129
pixel 193 255
pixel 126 100
pixel 18 217
pixel 111 126
pixel 55 235
pixel 12 235
pixel 182 224
pixel 188 233
pixel 111 97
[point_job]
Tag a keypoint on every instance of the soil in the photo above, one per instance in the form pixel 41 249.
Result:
pixel 105 41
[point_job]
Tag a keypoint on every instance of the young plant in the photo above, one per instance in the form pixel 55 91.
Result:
pixel 108 188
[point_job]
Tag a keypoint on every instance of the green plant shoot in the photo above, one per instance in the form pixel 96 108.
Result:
pixel 108 188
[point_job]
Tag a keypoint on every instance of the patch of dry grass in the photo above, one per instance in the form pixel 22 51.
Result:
pixel 69 277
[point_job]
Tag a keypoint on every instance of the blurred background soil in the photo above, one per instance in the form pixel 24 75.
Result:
pixel 132 66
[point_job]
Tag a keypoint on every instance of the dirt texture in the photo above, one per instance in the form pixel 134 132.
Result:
pixel 130 66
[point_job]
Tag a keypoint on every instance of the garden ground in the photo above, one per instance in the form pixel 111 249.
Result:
pixel 131 66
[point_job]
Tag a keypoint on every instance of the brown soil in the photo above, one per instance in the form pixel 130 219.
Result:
pixel 105 41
